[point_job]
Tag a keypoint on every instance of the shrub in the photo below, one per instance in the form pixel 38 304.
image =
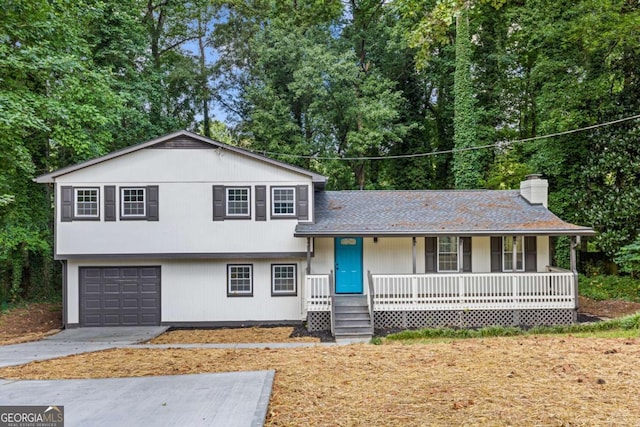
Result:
pixel 610 287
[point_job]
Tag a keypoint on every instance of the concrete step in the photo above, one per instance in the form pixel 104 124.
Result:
pixel 352 330
pixel 351 309
pixel 349 323
pixel 348 300
pixel 353 315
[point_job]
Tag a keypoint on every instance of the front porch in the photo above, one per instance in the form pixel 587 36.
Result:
pixel 453 299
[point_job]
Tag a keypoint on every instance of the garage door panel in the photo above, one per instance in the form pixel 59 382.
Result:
pixel 92 303
pixel 91 288
pixel 119 296
pixel 149 319
pixel 129 272
pixel 111 273
pixel 92 273
pixel 111 288
pixel 151 273
pixel 93 320
pixel 129 288
pixel 111 303
pixel 130 319
pixel 151 288
pixel 130 303
pixel 149 303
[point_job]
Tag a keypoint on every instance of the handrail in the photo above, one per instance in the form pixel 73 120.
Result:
pixel 332 293
pixel 371 299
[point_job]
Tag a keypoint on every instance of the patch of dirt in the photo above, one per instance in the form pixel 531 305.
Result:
pixel 30 323
pixel 608 308
pixel 234 335
pixel 536 380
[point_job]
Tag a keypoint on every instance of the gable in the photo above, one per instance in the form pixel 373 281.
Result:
pixel 177 142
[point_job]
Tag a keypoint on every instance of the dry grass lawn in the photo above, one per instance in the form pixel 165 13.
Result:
pixel 554 381
pixel 235 335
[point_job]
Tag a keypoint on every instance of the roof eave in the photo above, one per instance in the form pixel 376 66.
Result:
pixel 419 233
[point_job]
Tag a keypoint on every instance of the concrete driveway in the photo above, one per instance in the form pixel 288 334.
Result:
pixel 76 341
pixel 226 400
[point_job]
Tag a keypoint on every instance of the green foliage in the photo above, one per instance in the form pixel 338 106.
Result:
pixel 627 323
pixel 610 287
pixel 467 167
pixel 628 258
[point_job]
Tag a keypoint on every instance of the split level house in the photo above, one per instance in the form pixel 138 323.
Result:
pixel 186 231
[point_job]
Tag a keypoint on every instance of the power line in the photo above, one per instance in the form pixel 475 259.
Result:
pixel 453 150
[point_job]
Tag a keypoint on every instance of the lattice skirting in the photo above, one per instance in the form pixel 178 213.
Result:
pixel 318 320
pixel 473 318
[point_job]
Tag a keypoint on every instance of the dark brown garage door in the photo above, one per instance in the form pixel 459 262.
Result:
pixel 119 296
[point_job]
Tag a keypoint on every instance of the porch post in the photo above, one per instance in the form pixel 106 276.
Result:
pixel 573 260
pixel 460 255
pixel 308 255
pixel 514 254
pixel 514 265
pixel 413 252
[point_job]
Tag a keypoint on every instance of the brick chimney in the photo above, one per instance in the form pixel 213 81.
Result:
pixel 535 189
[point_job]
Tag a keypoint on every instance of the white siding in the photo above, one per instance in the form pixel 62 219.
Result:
pixel 185 178
pixel 196 291
pixel 182 165
pixel 391 255
pixel 323 259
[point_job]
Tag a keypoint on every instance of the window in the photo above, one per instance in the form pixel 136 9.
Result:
pixel 448 253
pixel 283 279
pixel 239 280
pixel 133 202
pixel 507 250
pixel 86 203
pixel 237 202
pixel 283 201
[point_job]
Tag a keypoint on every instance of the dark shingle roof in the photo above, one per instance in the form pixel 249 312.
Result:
pixel 473 212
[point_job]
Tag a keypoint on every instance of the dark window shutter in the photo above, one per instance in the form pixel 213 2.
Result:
pixel 466 254
pixel 153 213
pixel 530 253
pixel 431 254
pixel 109 202
pixel 261 203
pixel 302 200
pixel 218 203
pixel 496 254
pixel 66 204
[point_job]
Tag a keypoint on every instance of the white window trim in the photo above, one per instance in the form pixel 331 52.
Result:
pixel 248 293
pixel 226 203
pixel 293 292
pixel 144 202
pixel 75 202
pixel 457 252
pixel 273 202
pixel 504 252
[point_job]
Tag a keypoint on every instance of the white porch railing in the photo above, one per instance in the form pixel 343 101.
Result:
pixel 479 291
pixel 467 291
pixel 318 292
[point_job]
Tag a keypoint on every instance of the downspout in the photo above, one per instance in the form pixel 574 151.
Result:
pixel 308 255
pixel 63 263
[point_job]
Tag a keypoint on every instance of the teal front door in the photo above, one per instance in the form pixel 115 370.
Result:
pixel 348 252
